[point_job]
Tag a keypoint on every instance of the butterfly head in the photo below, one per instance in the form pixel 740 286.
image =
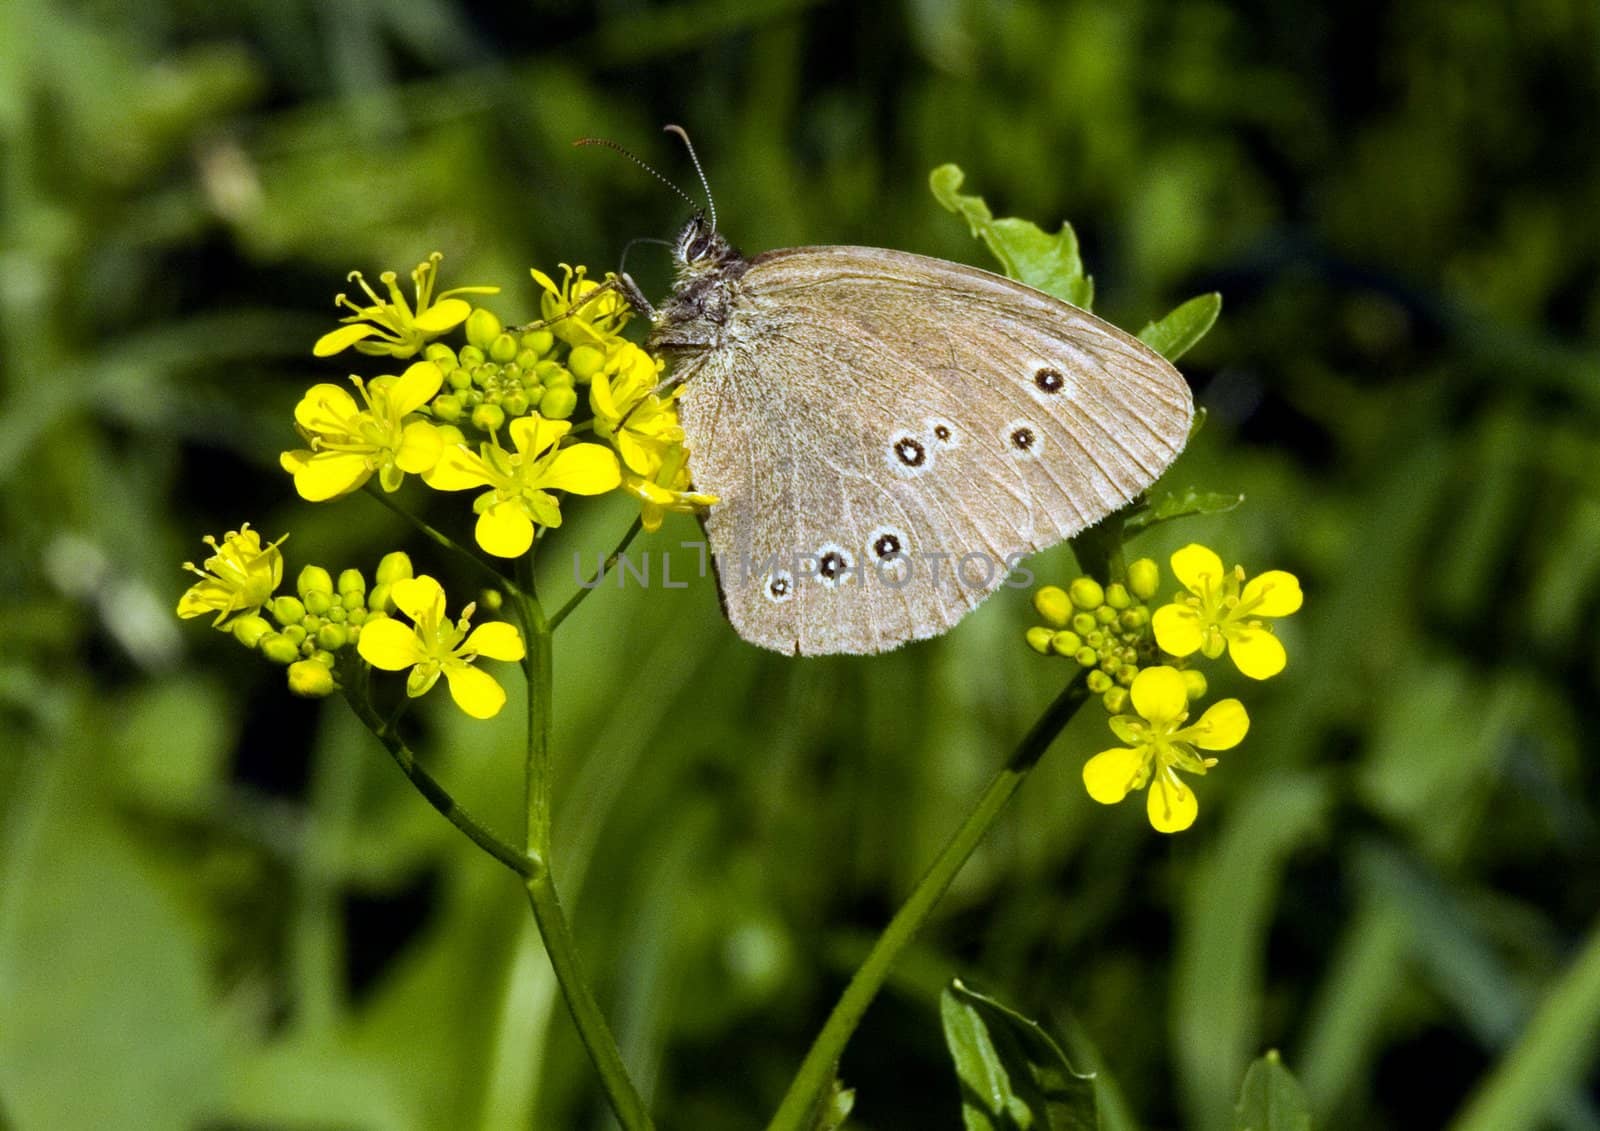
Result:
pixel 700 250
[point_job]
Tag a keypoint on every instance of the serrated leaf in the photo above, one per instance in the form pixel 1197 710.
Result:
pixel 1027 253
pixel 1271 1099
pixel 1013 1076
pixel 1174 335
pixel 1182 504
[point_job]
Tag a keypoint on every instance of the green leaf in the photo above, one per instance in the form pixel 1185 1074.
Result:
pixel 1182 504
pixel 1174 335
pixel 1271 1099
pixel 1013 1076
pixel 1027 253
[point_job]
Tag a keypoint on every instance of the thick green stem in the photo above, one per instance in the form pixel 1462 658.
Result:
pixel 553 926
pixel 812 1083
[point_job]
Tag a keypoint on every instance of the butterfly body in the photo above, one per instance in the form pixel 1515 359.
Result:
pixel 890 434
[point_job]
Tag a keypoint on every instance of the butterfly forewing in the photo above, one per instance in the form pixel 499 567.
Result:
pixel 890 433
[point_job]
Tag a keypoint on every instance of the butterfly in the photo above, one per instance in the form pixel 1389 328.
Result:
pixel 889 434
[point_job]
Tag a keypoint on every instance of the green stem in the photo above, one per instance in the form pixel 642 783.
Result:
pixel 443 539
pixel 436 795
pixel 554 929
pixel 811 1084
pixel 589 587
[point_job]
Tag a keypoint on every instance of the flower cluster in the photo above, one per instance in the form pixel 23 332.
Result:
pixel 313 631
pixel 521 416
pixel 1144 658
pixel 500 412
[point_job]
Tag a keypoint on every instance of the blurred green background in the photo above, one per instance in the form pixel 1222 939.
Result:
pixel 220 907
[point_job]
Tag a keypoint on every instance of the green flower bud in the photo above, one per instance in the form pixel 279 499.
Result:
pixel 1086 593
pixel 539 341
pixel 332 637
pixel 338 614
pixel 491 600
pixel 1126 674
pixel 1039 639
pixel 447 406
pixel 1144 578
pixel 586 361
pixel 288 610
pixel 1086 657
pixel 558 403
pixel 1094 638
pixel 1083 623
pixel 560 379
pixel 535 395
pixel 351 581
pixel 515 404
pixel 278 648
pixel 355 618
pixel 310 680
pixel 486 374
pixel 1105 614
pixel 482 328
pixel 318 603
pixel 393 566
pixel 354 599
pixel 1194 683
pixel 526 359
pixel 1117 595
pixel 1115 699
pixel 295 633
pixel 377 600
pixel 488 417
pixel 1099 682
pixel 313 579
pixel 471 398
pixel 511 375
pixel 1066 643
pixel 459 379
pixel 492 396
pixel 441 355
pixel 1052 604
pixel 503 348
pixel 450 435
pixel 1135 618
pixel 249 630
pixel 469 356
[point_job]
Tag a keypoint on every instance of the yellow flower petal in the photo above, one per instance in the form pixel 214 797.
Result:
pixel 532 434
pixel 202 599
pixel 415 388
pixel 1177 629
pixel 443 315
pixel 601 400
pixel 457 470
pixel 389 645
pixel 420 447
pixel 342 339
pixel 293 461
pixel 1275 593
pixel 496 640
pixel 583 469
pixel 1256 652
pixel 325 408
pixel 1194 564
pixel 1171 805
pixel 1222 727
pixel 327 475
pixel 505 530
pixel 1159 695
pixel 474 691
pixel 1110 774
pixel 420 598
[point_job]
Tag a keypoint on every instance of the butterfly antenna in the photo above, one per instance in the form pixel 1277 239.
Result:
pixel 711 204
pixel 609 144
pixel 622 265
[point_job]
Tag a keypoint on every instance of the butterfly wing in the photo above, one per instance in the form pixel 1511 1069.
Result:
pixel 890 434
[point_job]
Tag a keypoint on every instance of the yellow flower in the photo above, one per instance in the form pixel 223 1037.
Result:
pixel 640 425
pixel 595 322
pixel 1159 745
pixel 348 442
pixel 668 491
pixel 1217 613
pixel 433 645
pixel 401 330
pixel 520 481
pixel 237 579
